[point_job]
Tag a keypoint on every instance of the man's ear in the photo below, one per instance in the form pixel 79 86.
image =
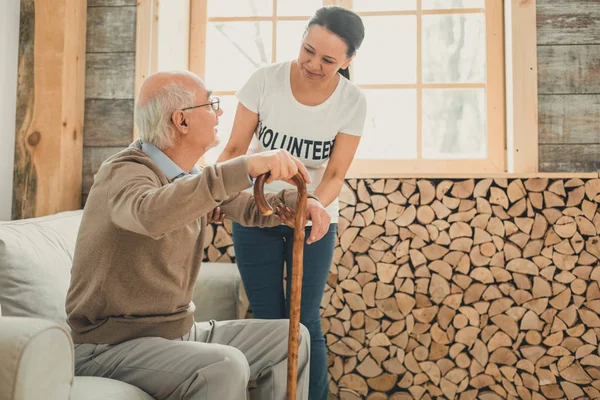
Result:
pixel 348 61
pixel 179 121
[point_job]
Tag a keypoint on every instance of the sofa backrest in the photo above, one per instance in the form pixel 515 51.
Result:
pixel 35 265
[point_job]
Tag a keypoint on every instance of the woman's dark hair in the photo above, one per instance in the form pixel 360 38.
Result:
pixel 344 23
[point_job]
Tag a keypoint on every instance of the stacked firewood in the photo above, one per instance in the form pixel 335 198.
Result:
pixel 467 289
pixel 463 289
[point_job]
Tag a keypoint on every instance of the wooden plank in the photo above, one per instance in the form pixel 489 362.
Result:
pixel 25 175
pixel 569 69
pixel 568 22
pixel 108 122
pixel 419 91
pixel 111 3
pixel 109 76
pixel 93 157
pixel 474 175
pixel 146 45
pixel 522 126
pixel 569 118
pixel 198 15
pixel 50 101
pixel 111 29
pixel 569 157
pixel 495 85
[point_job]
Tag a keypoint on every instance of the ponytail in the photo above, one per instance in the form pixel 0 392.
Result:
pixel 345 72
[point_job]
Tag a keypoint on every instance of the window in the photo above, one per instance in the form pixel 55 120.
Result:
pixel 432 70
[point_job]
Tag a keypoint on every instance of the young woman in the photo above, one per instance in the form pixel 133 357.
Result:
pixel 310 108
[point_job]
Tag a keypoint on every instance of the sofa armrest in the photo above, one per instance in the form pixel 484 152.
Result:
pixel 37 359
pixel 219 293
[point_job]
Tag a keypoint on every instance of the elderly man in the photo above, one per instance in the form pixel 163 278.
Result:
pixel 139 250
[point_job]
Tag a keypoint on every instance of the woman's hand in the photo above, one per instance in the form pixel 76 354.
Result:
pixel 320 220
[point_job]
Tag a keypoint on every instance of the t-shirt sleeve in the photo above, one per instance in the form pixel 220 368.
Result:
pixel 356 123
pixel 250 94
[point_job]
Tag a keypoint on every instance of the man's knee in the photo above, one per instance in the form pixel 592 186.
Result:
pixel 279 334
pixel 304 333
pixel 238 363
pixel 233 363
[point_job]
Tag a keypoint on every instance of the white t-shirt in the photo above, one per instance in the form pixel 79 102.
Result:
pixel 307 132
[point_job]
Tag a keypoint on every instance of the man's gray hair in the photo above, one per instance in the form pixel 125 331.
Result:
pixel 153 119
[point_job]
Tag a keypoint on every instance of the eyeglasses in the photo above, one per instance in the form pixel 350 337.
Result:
pixel 215 103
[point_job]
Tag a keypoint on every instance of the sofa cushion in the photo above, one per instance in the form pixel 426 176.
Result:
pixel 35 265
pixel 219 293
pixel 35 271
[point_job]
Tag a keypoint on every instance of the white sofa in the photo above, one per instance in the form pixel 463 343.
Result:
pixel 36 350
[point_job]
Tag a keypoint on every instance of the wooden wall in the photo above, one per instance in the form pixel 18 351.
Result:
pixel 49 109
pixel 109 92
pixel 568 78
pixel 462 289
pixel 569 85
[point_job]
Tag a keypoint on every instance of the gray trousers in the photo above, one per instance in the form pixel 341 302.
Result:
pixel 215 360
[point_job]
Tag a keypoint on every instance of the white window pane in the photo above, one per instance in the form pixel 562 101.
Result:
pixel 446 4
pixel 454 48
pixel 391 125
pixel 389 52
pixel 289 39
pixel 234 50
pixel 239 8
pixel 454 123
pixel 384 5
pixel 229 105
pixel 296 7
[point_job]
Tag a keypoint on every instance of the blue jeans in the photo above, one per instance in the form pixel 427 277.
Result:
pixel 260 255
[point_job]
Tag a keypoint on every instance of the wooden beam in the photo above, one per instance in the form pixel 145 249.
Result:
pixel 521 81
pixel 111 29
pixel 568 22
pixel 50 107
pixel 419 74
pixel 146 44
pixel 569 118
pixel 406 173
pixel 495 84
pixel 108 122
pixel 363 168
pixel 569 69
pixel 569 158
pixel 110 75
pixel 198 22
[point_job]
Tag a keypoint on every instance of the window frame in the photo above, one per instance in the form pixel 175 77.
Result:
pixel 510 32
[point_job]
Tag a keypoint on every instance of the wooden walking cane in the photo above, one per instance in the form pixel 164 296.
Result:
pixel 297 269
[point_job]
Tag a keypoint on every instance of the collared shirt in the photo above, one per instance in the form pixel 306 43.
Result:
pixel 166 165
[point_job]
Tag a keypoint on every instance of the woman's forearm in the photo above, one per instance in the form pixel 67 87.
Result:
pixel 228 154
pixel 329 189
pixel 244 124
